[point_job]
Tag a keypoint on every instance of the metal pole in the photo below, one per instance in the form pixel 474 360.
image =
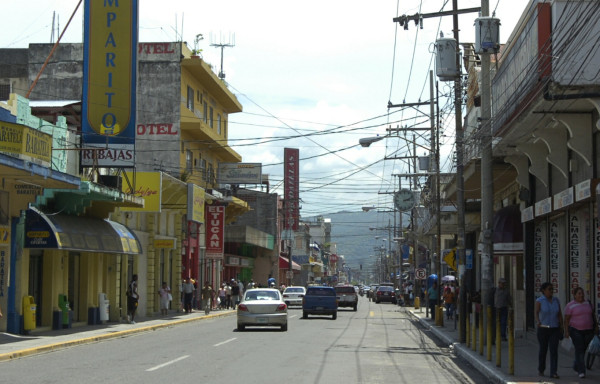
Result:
pixel 487 190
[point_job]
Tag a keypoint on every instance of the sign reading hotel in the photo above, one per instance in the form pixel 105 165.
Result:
pixel 215 231
pixel 291 187
pixel 239 173
pixel 109 83
pixel 27 143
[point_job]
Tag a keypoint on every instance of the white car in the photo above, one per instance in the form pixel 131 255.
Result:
pixel 293 295
pixel 262 307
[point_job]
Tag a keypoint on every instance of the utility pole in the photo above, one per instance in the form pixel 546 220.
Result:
pixel 220 44
pixel 418 19
pixel 487 187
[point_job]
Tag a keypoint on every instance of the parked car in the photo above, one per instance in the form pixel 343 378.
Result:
pixel 319 300
pixel 293 295
pixel 346 296
pixel 385 293
pixel 262 307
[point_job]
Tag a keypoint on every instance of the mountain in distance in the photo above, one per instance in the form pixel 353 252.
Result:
pixel 355 241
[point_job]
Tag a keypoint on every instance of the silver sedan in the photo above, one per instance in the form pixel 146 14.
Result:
pixel 294 295
pixel 262 307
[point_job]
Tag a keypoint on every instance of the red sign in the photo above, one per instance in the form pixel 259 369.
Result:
pixel 215 231
pixel 291 186
pixel 333 258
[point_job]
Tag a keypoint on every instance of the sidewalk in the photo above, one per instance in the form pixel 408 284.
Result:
pixel 525 356
pixel 44 340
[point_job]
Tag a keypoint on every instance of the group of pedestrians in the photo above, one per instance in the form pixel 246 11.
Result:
pixel 579 324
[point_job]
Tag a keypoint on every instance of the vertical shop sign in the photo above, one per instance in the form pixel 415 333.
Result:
pixel 539 259
pixel 215 231
pixel 555 257
pixel 291 188
pixel 596 280
pixel 109 83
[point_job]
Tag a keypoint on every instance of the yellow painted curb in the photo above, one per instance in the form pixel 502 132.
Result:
pixel 93 339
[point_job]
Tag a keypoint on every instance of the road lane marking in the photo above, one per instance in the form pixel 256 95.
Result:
pixel 167 363
pixel 291 317
pixel 224 342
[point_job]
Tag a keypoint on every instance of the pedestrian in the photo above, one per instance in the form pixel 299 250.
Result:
pixel 548 318
pixel 502 301
pixel 222 296
pixel 133 299
pixel 449 302
pixel 432 296
pixel 188 295
pixel 206 296
pixel 579 326
pixel 235 294
pixel 164 293
pixel 228 296
pixel 250 284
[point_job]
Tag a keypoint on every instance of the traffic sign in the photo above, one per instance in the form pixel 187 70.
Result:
pixel 420 273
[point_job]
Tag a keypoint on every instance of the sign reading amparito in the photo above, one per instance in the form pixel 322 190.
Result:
pixel 109 83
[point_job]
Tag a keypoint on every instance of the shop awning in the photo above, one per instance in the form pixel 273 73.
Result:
pixel 78 233
pixel 283 264
pixel 508 230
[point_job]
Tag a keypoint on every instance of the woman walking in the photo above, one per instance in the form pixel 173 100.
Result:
pixel 579 326
pixel 548 318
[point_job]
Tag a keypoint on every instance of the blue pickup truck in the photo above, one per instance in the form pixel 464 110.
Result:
pixel 319 301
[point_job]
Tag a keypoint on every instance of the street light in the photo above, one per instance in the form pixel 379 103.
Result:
pixel 367 141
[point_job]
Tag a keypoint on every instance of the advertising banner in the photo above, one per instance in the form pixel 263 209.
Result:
pixel 239 173
pixel 195 203
pixel 215 231
pixel 109 83
pixel 25 142
pixel 291 185
pixel 147 185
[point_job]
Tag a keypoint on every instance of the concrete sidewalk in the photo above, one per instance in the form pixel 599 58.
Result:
pixel 45 340
pixel 525 352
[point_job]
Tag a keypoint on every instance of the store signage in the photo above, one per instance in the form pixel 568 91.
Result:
pixel 26 142
pixel 195 203
pixel 291 186
pixel 215 231
pixel 543 207
pixel 527 214
pixel 563 199
pixel 583 190
pixel 239 173
pixel 109 83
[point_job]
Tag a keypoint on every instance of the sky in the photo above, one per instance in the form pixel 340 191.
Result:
pixel 313 75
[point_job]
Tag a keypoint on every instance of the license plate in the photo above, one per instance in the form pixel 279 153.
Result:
pixel 386 293
pixel 262 320
pixel 319 307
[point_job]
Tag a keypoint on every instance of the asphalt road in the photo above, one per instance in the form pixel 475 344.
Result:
pixel 377 344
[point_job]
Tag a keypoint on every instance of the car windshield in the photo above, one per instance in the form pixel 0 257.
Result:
pixel 321 292
pixel 261 295
pixel 294 290
pixel 345 290
pixel 386 289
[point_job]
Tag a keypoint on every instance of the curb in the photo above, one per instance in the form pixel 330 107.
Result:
pixel 465 353
pixel 93 339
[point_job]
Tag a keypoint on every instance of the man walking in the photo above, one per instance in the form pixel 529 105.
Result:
pixel 502 301
pixel 188 295
pixel 133 298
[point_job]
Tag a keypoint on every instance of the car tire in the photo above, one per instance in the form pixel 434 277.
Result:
pixel 334 316
pixel 304 315
pixel 355 307
pixel 284 327
pixel 241 327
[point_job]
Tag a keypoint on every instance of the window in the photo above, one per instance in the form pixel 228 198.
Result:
pixel 211 117
pixel 211 174
pixel 205 114
pixel 218 124
pixel 189 160
pixel 190 98
pixel 4 91
pixel 225 128
pixel 203 169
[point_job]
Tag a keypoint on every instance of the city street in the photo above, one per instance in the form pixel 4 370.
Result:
pixel 378 343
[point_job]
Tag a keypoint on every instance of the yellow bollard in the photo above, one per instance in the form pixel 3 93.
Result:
pixel 481 338
pixel 511 343
pixel 468 328
pixel 498 340
pixel 474 338
pixel 439 315
pixel 489 332
pixel 417 302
